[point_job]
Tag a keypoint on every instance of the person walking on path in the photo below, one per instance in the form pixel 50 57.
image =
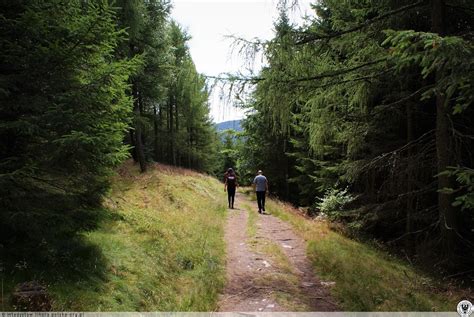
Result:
pixel 260 185
pixel 230 184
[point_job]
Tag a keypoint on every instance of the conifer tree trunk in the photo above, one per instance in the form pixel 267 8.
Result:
pixel 168 129
pixel 190 146
pixel 172 152
pixel 160 124
pixel 443 146
pixel 409 241
pixel 177 160
pixel 156 148
pixel 286 167
pixel 132 144
pixel 138 130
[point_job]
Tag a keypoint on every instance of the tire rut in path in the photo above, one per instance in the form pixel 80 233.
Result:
pixel 268 271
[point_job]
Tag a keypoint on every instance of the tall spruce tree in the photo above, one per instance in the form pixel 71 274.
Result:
pixel 382 112
pixel 64 110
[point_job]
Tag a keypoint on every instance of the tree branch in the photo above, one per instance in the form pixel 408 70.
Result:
pixel 388 154
pixel 339 72
pixel 362 25
pixel 361 78
pixel 459 7
pixel 231 78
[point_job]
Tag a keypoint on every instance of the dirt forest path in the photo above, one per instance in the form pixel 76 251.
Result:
pixel 266 267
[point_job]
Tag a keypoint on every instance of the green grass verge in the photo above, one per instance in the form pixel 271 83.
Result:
pixel 367 279
pixel 161 248
pixel 251 225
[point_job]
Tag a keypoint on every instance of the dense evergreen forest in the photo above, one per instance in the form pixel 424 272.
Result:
pixel 365 113
pixel 83 86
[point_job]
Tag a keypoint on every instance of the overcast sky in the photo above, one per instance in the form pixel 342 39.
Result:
pixel 209 21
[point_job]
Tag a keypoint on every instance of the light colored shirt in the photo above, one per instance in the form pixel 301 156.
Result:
pixel 260 182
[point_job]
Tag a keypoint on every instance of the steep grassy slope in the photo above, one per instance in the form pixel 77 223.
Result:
pixel 166 251
pixel 159 247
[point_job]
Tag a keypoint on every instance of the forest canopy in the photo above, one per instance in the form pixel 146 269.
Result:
pixel 84 85
pixel 362 115
pixel 365 114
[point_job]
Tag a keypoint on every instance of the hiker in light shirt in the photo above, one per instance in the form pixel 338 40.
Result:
pixel 260 185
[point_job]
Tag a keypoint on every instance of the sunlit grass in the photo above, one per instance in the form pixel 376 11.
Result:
pixel 367 279
pixel 251 226
pixel 164 253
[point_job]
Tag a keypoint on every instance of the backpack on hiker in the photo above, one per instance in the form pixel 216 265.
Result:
pixel 231 181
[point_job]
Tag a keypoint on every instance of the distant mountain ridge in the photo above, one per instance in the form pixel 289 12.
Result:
pixel 229 125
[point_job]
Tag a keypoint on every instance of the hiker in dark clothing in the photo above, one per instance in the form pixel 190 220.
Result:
pixel 230 184
pixel 260 185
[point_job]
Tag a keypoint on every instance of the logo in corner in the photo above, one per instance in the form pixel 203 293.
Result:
pixel 465 308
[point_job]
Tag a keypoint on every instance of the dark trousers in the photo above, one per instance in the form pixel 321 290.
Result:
pixel 261 201
pixel 231 196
